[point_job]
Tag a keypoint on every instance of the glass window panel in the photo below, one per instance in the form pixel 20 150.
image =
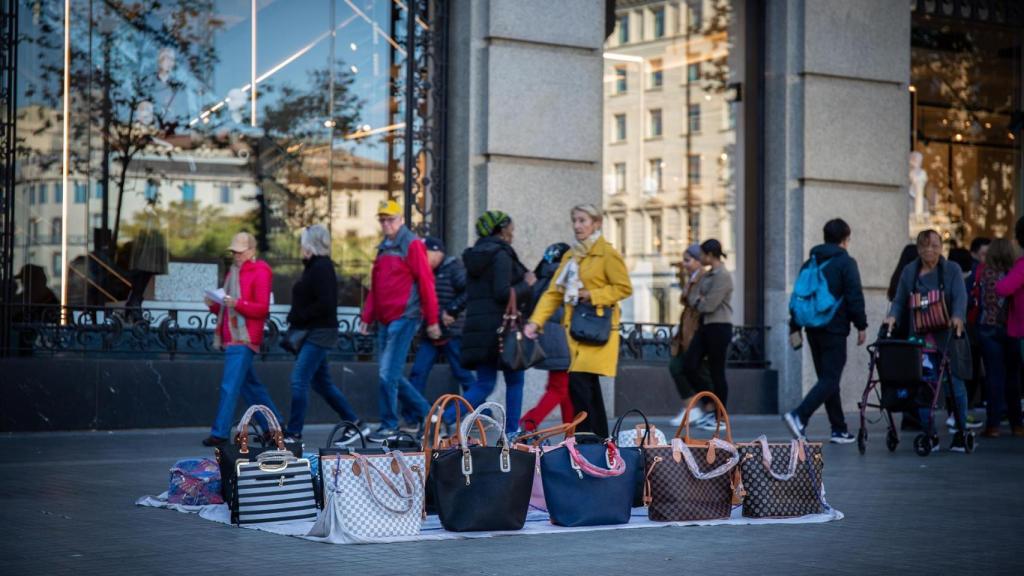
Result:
pixel 659 22
pixel 623 29
pixel 655 126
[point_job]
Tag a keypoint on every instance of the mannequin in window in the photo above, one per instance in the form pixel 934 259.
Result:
pixel 918 183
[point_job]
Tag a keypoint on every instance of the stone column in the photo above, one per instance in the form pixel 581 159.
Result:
pixel 525 103
pixel 836 145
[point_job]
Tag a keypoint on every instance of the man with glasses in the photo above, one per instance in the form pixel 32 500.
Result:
pixel 401 295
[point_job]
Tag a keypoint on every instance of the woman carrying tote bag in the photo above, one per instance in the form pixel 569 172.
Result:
pixel 591 282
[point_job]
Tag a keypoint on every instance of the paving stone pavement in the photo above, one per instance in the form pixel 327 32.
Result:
pixel 67 502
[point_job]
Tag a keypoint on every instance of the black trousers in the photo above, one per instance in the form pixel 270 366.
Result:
pixel 711 341
pixel 585 391
pixel 829 354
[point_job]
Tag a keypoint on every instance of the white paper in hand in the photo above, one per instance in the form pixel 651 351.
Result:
pixel 216 295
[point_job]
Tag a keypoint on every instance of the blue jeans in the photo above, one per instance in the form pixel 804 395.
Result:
pixel 486 380
pixel 951 386
pixel 393 341
pixel 239 377
pixel 426 356
pixel 311 366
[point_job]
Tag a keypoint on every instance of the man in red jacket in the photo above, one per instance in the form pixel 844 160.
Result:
pixel 240 320
pixel 401 295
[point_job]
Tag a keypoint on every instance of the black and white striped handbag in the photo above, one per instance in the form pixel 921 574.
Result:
pixel 278 487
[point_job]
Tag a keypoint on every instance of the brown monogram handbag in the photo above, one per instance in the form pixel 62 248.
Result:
pixel 781 480
pixel 692 479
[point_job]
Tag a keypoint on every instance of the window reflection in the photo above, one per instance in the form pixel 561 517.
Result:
pixel 656 186
pixel 963 172
pixel 172 140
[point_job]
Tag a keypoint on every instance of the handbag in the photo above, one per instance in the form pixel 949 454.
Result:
pixel 330 450
pixel 590 324
pixel 433 442
pixel 293 340
pixel 478 487
pixel 277 487
pixel 241 451
pixel 539 443
pixel 791 489
pixel 587 484
pixel 632 444
pixel 928 309
pixel 960 361
pixel 515 351
pixel 692 479
pixel 194 482
pixel 370 497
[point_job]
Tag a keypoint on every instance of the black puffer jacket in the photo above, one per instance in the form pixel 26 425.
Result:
pixel 492 268
pixel 450 287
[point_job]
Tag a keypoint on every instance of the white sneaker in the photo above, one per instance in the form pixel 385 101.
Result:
pixel 709 423
pixel 678 419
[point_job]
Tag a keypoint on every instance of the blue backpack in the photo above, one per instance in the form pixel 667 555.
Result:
pixel 812 304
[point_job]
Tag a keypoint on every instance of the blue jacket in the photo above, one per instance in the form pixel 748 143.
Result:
pixel 843 277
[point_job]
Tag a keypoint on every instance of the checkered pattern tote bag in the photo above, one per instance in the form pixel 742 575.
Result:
pixel 781 480
pixel 369 498
pixel 692 479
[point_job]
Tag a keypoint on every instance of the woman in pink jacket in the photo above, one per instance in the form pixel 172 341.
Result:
pixel 240 322
pixel 1011 287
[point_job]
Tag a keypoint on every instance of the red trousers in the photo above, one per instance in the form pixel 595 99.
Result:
pixel 556 394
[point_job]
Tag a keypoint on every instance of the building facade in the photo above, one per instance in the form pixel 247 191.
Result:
pixel 749 121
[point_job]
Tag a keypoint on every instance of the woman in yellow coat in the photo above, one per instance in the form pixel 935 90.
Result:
pixel 592 272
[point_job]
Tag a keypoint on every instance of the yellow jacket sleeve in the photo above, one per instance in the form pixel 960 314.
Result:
pixel 549 301
pixel 618 288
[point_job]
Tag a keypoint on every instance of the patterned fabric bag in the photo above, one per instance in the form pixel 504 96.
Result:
pixel 692 479
pixel 781 480
pixel 928 307
pixel 195 482
pixel 369 498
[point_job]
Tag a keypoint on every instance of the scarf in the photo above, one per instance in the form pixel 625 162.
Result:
pixel 568 282
pixel 236 322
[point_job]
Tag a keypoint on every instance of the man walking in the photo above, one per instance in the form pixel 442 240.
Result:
pixel 827 332
pixel 450 288
pixel 401 294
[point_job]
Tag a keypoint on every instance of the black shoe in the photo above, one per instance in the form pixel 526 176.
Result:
pixel 381 434
pixel 348 435
pixel 212 441
pixel 410 426
pixel 842 438
pixel 290 438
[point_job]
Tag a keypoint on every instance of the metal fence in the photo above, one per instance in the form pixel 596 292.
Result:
pixel 37 330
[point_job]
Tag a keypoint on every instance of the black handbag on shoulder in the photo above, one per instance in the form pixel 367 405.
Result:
pixel 515 350
pixel 293 339
pixel 590 324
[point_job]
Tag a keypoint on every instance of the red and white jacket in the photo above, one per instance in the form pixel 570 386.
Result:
pixel 402 283
pixel 254 280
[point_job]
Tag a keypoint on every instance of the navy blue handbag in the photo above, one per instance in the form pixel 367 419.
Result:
pixel 634 455
pixel 587 484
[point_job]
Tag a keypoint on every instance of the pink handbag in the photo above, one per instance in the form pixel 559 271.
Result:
pixel 536 443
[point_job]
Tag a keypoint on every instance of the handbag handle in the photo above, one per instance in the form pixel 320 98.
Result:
pixel 344 425
pixel 567 429
pixel 680 447
pixel 476 416
pixel 408 480
pixel 284 456
pixel 242 438
pixel 512 319
pixel 432 435
pixel 796 452
pixel 618 425
pixel 616 465
pixel 720 416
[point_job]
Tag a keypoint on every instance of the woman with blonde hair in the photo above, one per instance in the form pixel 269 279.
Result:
pixel 590 282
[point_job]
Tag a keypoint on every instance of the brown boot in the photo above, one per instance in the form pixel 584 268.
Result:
pixel 991 432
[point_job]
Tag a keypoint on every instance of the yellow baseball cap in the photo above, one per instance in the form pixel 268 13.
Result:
pixel 389 208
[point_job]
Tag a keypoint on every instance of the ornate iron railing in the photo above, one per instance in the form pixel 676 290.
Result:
pixel 36 330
